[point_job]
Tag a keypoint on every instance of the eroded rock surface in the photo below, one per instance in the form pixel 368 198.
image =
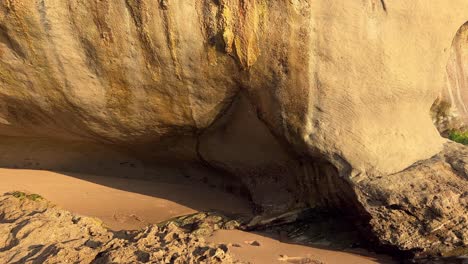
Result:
pixel 34 231
pixel 423 208
pixel 327 79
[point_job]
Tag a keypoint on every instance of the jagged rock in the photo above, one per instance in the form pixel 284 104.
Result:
pixel 168 244
pixel 423 208
pixel 205 223
pixel 307 103
pixel 34 231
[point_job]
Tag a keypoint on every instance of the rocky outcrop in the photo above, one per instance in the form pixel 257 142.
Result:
pixel 34 231
pixel 424 208
pixel 308 103
pixel 133 73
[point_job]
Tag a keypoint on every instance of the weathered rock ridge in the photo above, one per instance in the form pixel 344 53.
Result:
pixel 308 103
pixel 423 208
pixel 35 231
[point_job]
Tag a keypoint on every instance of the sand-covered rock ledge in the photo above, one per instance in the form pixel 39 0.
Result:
pixel 292 105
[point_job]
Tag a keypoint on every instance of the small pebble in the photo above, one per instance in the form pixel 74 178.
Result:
pixel 253 243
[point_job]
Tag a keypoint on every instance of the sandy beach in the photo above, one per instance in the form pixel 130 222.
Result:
pixel 131 204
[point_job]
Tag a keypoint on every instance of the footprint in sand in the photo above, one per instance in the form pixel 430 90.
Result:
pixel 123 218
pixel 299 260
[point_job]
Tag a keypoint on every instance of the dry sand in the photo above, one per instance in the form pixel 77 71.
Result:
pixel 258 249
pixel 121 203
pixel 124 203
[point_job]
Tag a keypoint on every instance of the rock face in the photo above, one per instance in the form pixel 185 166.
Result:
pixel 451 111
pixel 308 103
pixel 423 207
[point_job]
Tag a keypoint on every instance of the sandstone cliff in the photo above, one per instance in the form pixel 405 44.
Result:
pixel 308 103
